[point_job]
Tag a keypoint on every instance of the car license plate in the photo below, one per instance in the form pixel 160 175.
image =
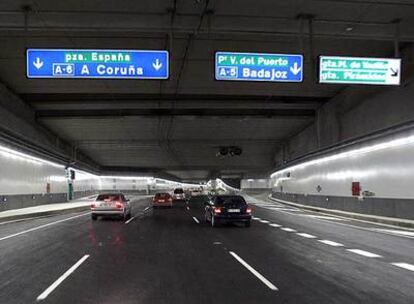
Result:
pixel 233 210
pixel 161 201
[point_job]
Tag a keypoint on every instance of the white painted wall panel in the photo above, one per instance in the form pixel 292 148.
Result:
pixel 385 168
pixel 20 175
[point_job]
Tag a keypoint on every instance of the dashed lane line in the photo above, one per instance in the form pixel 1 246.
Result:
pixel 196 220
pixel 264 221
pixel 275 225
pixel 288 229
pixel 130 220
pixel 365 253
pixel 331 243
pixel 306 235
pixel 254 272
pixel 59 281
pixel 404 265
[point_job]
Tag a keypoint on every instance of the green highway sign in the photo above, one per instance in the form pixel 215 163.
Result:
pixel 359 70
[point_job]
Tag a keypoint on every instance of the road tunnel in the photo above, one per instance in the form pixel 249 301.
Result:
pixel 280 133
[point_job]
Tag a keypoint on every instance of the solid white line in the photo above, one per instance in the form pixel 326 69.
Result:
pixel 264 221
pixel 288 229
pixel 275 225
pixel 52 287
pixel 365 253
pixel 253 271
pixel 196 220
pixel 25 219
pixel 330 243
pixel 130 220
pixel 42 226
pixel 305 235
pixel 404 265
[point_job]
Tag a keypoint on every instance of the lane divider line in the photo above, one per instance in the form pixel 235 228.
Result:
pixel 59 281
pixel 42 226
pixel 130 220
pixel 365 253
pixel 331 243
pixel 404 265
pixel 196 220
pixel 275 225
pixel 254 272
pixel 288 229
pixel 264 222
pixel 306 235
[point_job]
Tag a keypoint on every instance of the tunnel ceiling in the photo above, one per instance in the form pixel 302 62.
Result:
pixel 176 127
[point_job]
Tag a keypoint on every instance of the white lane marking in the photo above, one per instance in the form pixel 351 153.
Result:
pixel 404 265
pixel 25 219
pixel 305 235
pixel 324 217
pixel 42 226
pixel 399 232
pixel 130 220
pixel 264 221
pixel 188 208
pixel 288 229
pixel 257 218
pixel 331 243
pixel 365 253
pixel 275 225
pixel 52 287
pixel 146 208
pixel 196 220
pixel 253 271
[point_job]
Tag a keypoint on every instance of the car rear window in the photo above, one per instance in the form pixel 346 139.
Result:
pixel 229 200
pixel 108 197
pixel 162 195
pixel 178 191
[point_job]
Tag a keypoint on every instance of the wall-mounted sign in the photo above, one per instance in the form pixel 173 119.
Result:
pixel 357 70
pixel 113 64
pixel 258 67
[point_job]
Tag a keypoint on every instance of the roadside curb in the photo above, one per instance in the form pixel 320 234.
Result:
pixel 370 218
pixel 44 213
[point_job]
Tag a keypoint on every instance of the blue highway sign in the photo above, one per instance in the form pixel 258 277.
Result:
pixel 112 64
pixel 258 67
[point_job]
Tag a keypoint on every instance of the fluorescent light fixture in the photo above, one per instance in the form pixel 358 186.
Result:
pixel 352 153
pixel 13 154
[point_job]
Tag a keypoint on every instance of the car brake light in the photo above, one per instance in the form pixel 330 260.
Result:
pixel 217 210
pixel 170 199
pixel 248 210
pixel 93 206
pixel 118 205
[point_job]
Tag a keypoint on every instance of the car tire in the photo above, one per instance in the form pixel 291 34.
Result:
pixel 94 217
pixel 247 224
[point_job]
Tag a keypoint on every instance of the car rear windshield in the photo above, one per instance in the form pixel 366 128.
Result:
pixel 229 200
pixel 178 191
pixel 162 195
pixel 108 197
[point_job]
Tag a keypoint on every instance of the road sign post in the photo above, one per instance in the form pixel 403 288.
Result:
pixel 258 67
pixel 359 70
pixel 112 64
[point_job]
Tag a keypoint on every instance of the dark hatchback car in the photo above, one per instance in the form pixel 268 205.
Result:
pixel 227 209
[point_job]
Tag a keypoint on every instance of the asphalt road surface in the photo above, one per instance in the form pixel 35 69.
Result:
pixel 171 256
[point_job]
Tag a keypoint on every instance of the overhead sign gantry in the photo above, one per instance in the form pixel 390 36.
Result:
pixel 258 67
pixel 359 70
pixel 112 64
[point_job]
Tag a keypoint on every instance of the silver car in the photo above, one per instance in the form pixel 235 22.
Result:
pixel 111 204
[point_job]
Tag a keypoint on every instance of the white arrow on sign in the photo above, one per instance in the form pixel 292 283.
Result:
pixel 157 64
pixel 295 69
pixel 38 64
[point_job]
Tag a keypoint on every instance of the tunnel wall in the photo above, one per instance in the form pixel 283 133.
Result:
pixel 383 167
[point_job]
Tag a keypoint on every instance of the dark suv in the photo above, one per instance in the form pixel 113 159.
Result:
pixel 227 208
